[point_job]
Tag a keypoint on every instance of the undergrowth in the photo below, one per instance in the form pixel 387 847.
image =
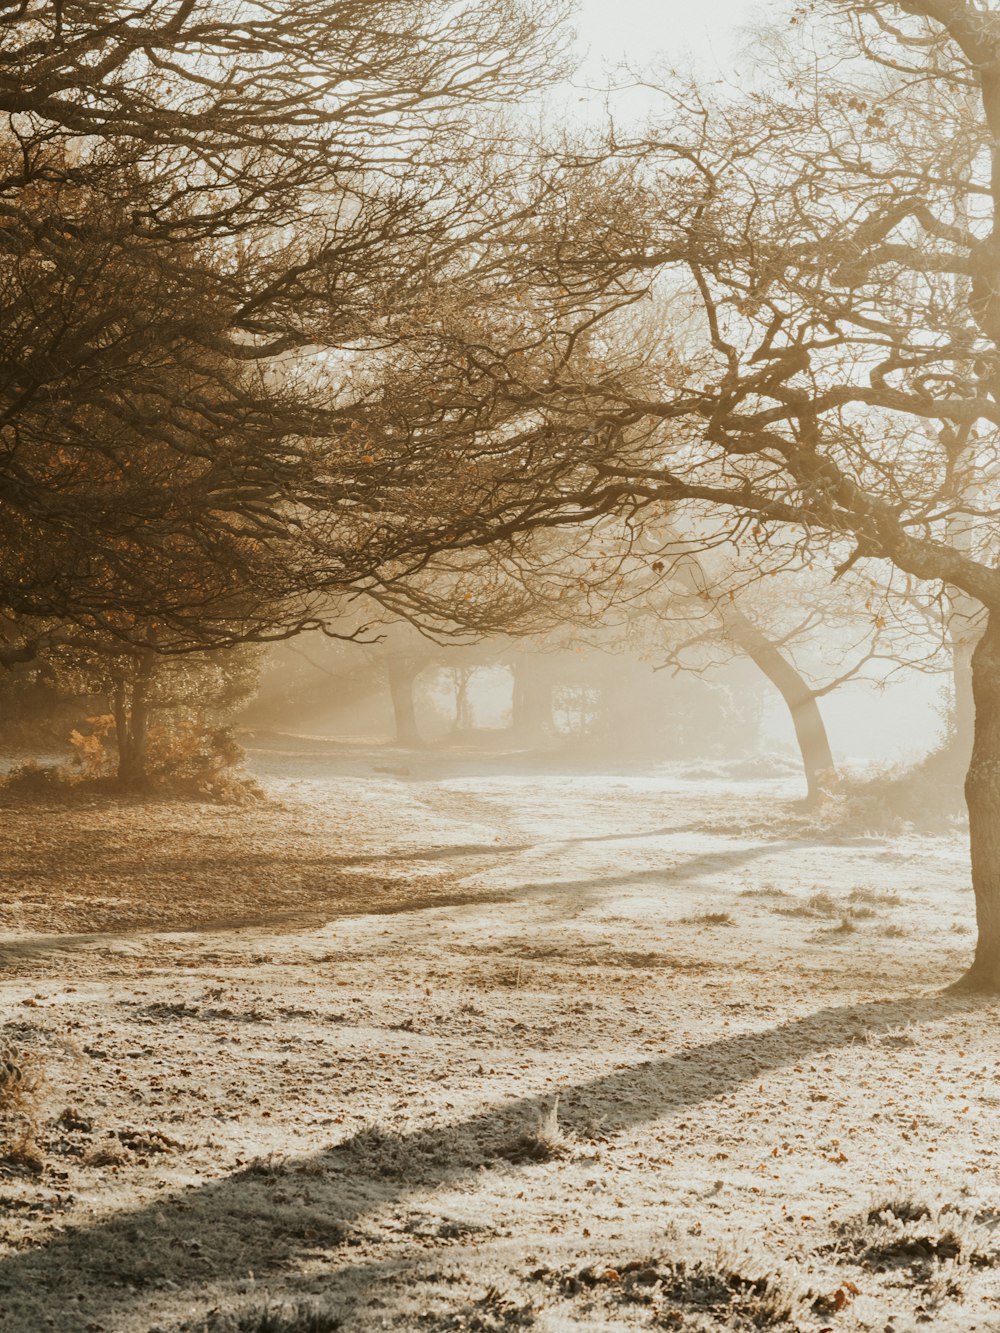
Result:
pixel 32 781
pixel 928 795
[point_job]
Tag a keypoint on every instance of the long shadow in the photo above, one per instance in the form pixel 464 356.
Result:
pixel 39 948
pixel 487 848
pixel 108 1270
pixel 695 867
pixel 229 858
pixel 578 892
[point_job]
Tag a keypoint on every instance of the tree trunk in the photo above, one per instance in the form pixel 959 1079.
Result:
pixel 810 731
pixel 119 706
pixel 982 793
pixel 964 628
pixel 463 712
pixel 531 703
pixel 402 671
pixel 131 710
pixel 965 708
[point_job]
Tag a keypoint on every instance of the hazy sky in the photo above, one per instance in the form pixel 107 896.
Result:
pixel 707 30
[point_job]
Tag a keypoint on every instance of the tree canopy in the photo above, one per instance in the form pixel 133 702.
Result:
pixel 212 223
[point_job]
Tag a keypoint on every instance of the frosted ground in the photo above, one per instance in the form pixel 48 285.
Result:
pixel 428 1044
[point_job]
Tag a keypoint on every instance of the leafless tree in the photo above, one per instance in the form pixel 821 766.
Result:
pixel 842 397
pixel 213 221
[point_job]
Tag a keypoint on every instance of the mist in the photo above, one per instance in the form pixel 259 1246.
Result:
pixel 499 666
pixel 598 705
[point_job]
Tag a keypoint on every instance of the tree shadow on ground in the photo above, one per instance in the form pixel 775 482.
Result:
pixel 218 1231
pixel 672 871
pixel 78 851
pixel 315 907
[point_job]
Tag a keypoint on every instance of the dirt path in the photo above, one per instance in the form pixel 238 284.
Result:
pixel 483 1050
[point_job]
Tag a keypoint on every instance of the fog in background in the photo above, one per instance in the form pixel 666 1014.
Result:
pixel 629 706
pixel 603 704
pixel 890 717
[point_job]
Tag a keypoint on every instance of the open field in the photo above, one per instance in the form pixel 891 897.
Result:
pixel 456 1046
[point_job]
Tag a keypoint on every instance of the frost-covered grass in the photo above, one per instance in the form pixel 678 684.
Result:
pixel 545 1052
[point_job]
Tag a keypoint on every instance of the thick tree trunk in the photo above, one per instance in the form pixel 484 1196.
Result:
pixel 965 708
pixel 982 793
pixel 402 671
pixel 810 732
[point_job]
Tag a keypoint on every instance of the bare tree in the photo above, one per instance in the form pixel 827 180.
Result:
pixel 212 222
pixel 770 654
pixel 842 396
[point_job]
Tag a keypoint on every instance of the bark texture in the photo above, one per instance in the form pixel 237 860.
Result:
pixel 964 629
pixel 965 708
pixel 982 793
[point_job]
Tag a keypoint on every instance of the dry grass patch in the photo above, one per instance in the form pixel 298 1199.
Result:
pixel 20 1095
pixel 910 1233
pixel 297 1317
pixel 720 1290
pixel 708 919
pixel 378 1151
pixel 820 904
pixel 845 926
pixel 765 891
pixel 874 897
pixel 494 1312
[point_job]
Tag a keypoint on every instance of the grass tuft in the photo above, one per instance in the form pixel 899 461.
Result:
pixel 721 1290
pixel 709 919
pixel 907 1233
pixel 378 1151
pixel 544 1142
pixel 301 1318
